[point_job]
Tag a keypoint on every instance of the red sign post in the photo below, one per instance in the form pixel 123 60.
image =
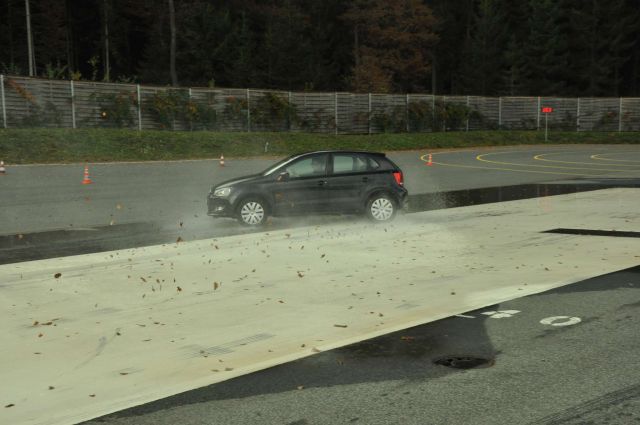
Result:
pixel 546 110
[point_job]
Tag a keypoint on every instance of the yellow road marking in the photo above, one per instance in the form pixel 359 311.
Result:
pixel 480 158
pixel 509 169
pixel 617 160
pixel 539 158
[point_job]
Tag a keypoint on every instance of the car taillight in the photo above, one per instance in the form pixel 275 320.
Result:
pixel 398 177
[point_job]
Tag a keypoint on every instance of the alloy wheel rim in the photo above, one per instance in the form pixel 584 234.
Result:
pixel 252 213
pixel 382 209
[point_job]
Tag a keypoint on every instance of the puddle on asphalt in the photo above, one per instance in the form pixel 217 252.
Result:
pixel 467 197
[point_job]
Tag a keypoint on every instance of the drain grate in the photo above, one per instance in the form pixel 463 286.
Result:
pixel 464 362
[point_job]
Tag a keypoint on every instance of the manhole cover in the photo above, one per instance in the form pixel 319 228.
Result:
pixel 464 362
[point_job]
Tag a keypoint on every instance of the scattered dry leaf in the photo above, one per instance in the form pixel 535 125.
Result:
pixel 340 326
pixel 179 289
pixel 52 388
pixel 57 275
pixel 300 274
pixel 9 405
pixel 40 335
pixel 216 285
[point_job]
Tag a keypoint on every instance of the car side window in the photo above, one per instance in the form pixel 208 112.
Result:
pixel 373 164
pixel 349 163
pixel 311 166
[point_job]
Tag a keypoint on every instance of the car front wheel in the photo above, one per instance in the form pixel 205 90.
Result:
pixel 252 212
pixel 381 208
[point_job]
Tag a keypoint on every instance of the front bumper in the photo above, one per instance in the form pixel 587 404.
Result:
pixel 219 207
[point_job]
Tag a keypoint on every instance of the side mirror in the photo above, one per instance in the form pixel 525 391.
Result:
pixel 283 177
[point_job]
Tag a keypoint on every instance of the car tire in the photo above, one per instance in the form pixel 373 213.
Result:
pixel 381 208
pixel 252 212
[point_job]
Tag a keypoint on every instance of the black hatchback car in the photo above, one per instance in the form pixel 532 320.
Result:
pixel 314 183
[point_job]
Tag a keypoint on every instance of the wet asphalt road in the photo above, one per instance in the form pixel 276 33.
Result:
pixel 45 212
pixel 543 374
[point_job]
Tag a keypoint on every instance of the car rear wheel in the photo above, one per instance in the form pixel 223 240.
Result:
pixel 252 212
pixel 381 208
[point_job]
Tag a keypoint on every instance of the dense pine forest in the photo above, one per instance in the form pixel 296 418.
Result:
pixel 474 47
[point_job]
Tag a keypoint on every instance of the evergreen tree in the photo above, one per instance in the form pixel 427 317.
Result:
pixel 547 48
pixel 482 71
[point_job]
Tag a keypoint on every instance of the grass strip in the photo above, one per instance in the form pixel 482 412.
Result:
pixel 28 146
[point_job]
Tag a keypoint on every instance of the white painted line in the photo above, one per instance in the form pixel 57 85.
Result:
pixel 565 321
pixel 501 314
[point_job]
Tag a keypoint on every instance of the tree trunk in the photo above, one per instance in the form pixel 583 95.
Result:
pixel 32 56
pixel 70 56
pixel 172 23
pixel 106 42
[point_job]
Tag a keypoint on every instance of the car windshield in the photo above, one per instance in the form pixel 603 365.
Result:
pixel 277 165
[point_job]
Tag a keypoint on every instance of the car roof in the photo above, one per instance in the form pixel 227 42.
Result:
pixel 341 151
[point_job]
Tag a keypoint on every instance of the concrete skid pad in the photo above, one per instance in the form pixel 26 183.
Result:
pixel 122 328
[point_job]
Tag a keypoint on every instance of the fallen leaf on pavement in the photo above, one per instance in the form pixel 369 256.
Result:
pixel 57 275
pixel 340 326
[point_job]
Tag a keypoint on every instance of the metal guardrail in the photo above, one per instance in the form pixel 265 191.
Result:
pixel 34 102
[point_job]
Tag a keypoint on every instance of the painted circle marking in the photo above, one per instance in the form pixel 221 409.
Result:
pixel 566 321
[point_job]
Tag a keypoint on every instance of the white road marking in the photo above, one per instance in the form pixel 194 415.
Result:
pixel 501 314
pixel 566 321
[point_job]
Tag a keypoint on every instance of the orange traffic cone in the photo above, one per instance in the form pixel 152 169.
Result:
pixel 430 160
pixel 86 179
pixel 3 171
pixel 222 160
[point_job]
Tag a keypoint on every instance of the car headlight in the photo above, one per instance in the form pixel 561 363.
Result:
pixel 225 191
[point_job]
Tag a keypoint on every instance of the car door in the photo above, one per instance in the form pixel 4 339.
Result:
pixel 303 188
pixel 347 181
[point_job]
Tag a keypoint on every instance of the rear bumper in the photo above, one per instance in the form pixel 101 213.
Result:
pixel 403 200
